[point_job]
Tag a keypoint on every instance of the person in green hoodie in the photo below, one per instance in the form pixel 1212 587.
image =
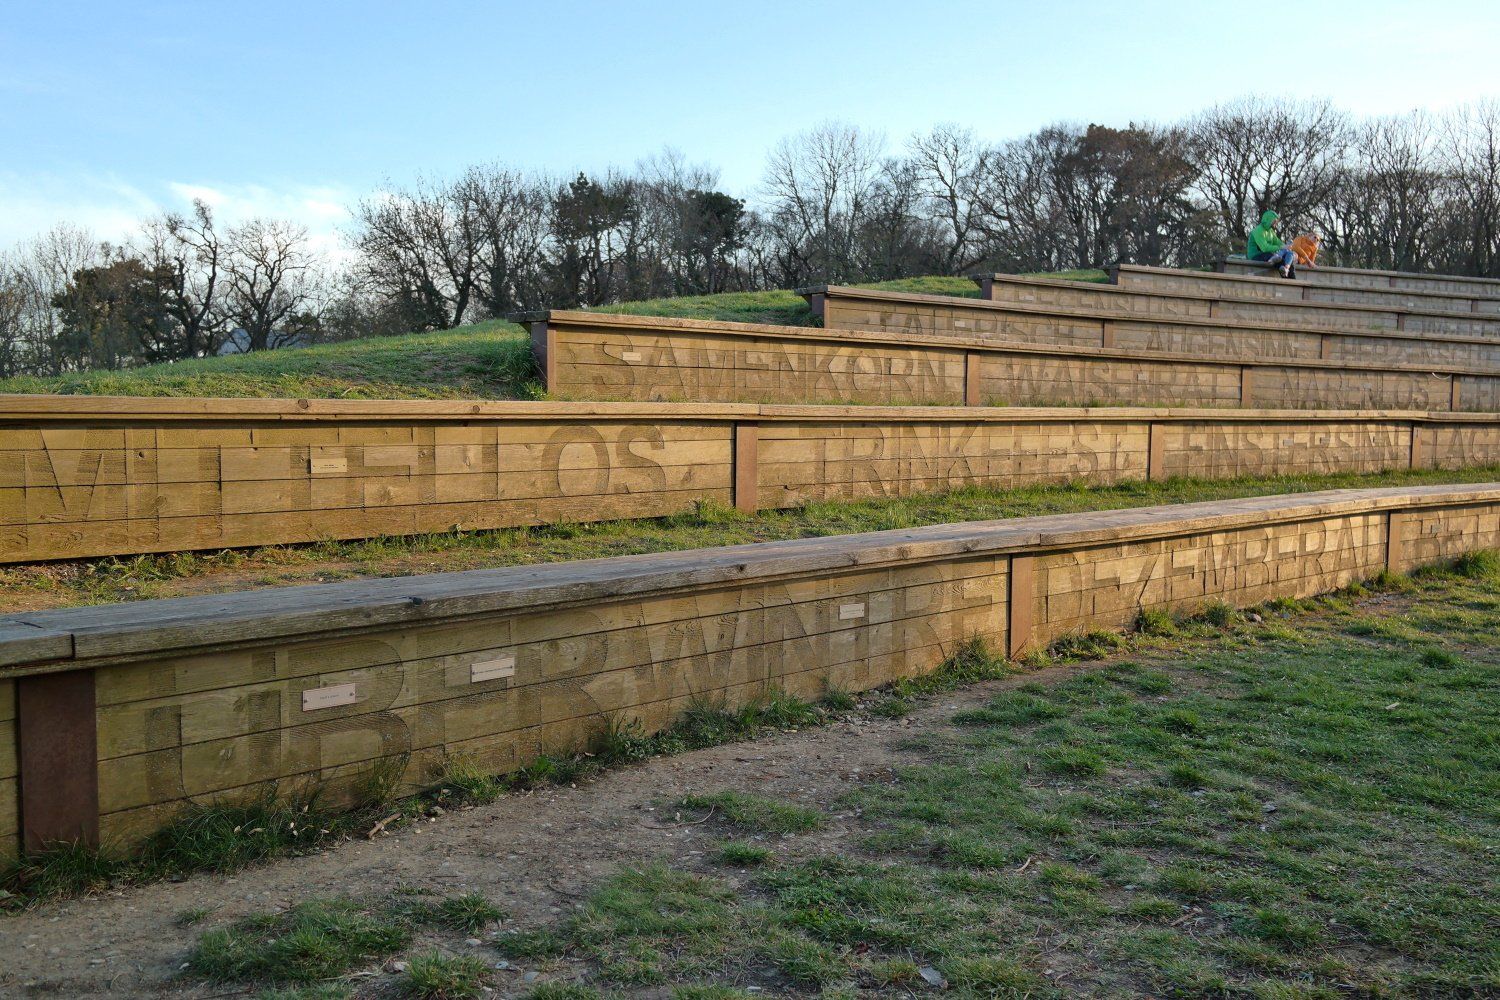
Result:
pixel 1265 245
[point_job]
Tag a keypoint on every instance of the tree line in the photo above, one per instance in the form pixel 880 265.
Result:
pixel 836 204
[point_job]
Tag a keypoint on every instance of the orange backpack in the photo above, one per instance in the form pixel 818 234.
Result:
pixel 1306 249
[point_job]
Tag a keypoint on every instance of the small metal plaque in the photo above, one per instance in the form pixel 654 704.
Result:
pixel 631 356
pixel 848 612
pixel 331 696
pixel 503 665
pixel 328 466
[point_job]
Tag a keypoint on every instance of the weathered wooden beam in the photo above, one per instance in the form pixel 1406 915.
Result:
pixel 747 467
pixel 1020 623
pixel 164 702
pixel 57 754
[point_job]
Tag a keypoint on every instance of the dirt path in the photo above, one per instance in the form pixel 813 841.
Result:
pixel 534 855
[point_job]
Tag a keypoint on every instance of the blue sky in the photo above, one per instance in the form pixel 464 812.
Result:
pixel 109 111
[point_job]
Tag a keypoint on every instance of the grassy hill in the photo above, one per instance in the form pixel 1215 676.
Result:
pixel 490 360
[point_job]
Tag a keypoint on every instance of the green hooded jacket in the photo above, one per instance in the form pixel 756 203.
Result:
pixel 1262 240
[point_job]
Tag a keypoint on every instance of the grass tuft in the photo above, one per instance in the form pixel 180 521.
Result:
pixel 1155 622
pixel 315 940
pixel 742 854
pixel 435 976
pixel 1481 565
pixel 757 813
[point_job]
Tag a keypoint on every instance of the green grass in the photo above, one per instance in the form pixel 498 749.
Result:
pixel 930 285
pixel 756 813
pixel 26 588
pixel 489 360
pixel 435 976
pixel 305 949
pixel 742 854
pixel 1301 807
pixel 318 939
pixel 779 307
pixel 470 913
pixel 224 836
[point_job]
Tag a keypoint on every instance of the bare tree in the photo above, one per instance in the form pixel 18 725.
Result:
pixel 1254 154
pixel 268 269
pixel 511 210
pixel 1022 220
pixel 896 238
pixel 819 185
pixel 420 247
pixel 951 167
pixel 694 231
pixel 189 251
pixel 13 334
pixel 1384 210
pixel 1473 147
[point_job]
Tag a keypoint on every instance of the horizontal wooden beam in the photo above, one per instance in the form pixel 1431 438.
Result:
pixel 1200 294
pixel 115 479
pixel 162 703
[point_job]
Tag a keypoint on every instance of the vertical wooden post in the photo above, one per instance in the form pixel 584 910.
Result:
pixel 1455 396
pixel 1395 549
pixel 987 286
pixel 1401 321
pixel 1213 308
pixel 1020 628
pixel 1247 386
pixel 818 301
pixel 1156 453
pixel 544 349
pixel 1325 347
pixel 973 390
pixel 747 467
pixel 1420 453
pixel 57 747
pixel 1107 334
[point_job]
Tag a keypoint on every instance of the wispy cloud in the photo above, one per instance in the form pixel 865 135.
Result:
pixel 322 209
pixel 112 209
pixel 105 205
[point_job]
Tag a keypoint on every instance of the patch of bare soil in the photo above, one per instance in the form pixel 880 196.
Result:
pixel 535 855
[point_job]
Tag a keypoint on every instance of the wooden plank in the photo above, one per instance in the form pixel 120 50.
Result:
pixel 809 603
pixel 640 634
pixel 57 759
pixel 1250 286
pixel 1021 623
pixel 746 467
pixel 217 752
pixel 148 628
pixel 1252 328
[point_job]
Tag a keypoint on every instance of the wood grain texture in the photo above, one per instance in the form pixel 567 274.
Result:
pixel 1151 292
pixel 1353 277
pixel 10 810
pixel 1251 287
pixel 202 699
pixel 127 476
pixel 1150 321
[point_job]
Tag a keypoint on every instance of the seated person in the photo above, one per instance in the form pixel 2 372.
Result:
pixel 1306 248
pixel 1265 245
